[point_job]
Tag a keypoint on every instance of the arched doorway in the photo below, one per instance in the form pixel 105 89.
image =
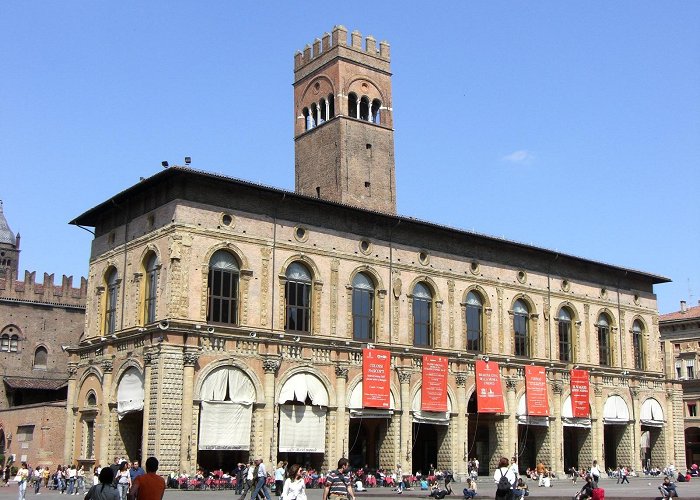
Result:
pixel 303 404
pixel 431 439
pixel 533 437
pixel 481 436
pixel 130 396
pixel 616 419
pixel 652 447
pixel 226 409
pixel 368 433
pixel 577 438
pixel 692 446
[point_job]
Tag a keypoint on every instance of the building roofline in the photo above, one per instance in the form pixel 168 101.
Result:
pixel 90 217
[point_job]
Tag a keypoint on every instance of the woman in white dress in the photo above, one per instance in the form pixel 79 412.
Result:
pixel 295 486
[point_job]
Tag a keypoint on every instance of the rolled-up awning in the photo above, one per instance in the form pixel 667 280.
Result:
pixel 302 429
pixel 652 414
pixel 130 392
pixel 356 409
pixel 430 417
pixel 615 411
pixel 568 419
pixel 525 419
pixel 301 385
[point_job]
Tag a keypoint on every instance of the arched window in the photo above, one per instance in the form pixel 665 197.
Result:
pixel 422 316
pixel 376 115
pixel 362 308
pixel 297 295
pixel 604 339
pixel 475 311
pixel 223 288
pixel 151 290
pixel 307 119
pixel 331 106
pixel 14 341
pixel 352 105
pixel 521 320
pixel 364 108
pixel 5 342
pixel 91 399
pixel 111 306
pixel 565 352
pixel 41 356
pixel 637 345
pixel 314 115
pixel 322 107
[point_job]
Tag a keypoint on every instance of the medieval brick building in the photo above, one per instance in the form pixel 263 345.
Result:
pixel 228 320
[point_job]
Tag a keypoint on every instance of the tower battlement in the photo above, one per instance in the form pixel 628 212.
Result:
pixel 339 38
pixel 47 291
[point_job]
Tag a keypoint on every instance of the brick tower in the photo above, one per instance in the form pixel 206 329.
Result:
pixel 343 126
pixel 9 249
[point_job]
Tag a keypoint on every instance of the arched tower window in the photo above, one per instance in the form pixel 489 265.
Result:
pixel 331 106
pixel 352 105
pixel 5 342
pixel 298 298
pixel 376 107
pixel 307 119
pixel 91 399
pixel 324 111
pixel 603 326
pixel 637 345
pixel 521 320
pixel 111 305
pixel 362 308
pixel 151 283
pixel 422 315
pixel 364 108
pixel 41 356
pixel 475 312
pixel 223 288
pixel 14 343
pixel 565 351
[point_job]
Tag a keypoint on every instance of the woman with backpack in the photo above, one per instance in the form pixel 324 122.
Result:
pixel 504 479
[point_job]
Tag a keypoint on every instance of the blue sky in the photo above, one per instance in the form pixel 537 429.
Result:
pixel 574 126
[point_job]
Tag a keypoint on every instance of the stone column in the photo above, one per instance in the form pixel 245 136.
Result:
pixel 188 361
pixel 556 428
pixel 105 417
pixel 670 429
pixel 598 426
pixel 459 451
pixel 270 366
pixel 147 361
pixel 405 429
pixel 70 446
pixel 636 459
pixel 341 377
pixel 510 448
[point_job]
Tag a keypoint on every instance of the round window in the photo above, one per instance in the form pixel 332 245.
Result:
pixel 301 234
pixel 424 258
pixel 227 219
pixel 522 276
pixel 365 247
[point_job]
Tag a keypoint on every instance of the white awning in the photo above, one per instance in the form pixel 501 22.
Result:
pixel 228 384
pixel 615 411
pixel 525 419
pixel 645 441
pixel 302 429
pixel 356 409
pixel 130 392
pixel 300 386
pixel 430 417
pixel 225 425
pixel 568 419
pixel 652 414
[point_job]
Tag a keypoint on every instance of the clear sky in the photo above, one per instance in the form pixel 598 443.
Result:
pixel 574 126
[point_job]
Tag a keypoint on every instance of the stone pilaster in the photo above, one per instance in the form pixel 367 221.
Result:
pixel 341 377
pixel 270 366
pixel 147 360
pixel 405 430
pixel 556 429
pixel 189 361
pixel 635 459
pixel 105 434
pixel 69 448
pixel 169 400
pixel 598 426
pixel 512 421
pixel 460 448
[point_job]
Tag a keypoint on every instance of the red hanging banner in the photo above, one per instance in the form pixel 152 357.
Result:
pixel 376 368
pixel 580 394
pixel 536 391
pixel 434 388
pixel 489 391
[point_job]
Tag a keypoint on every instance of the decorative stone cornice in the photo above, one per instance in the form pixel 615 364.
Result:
pixel 271 365
pixel 341 371
pixel 404 376
pixel 107 365
pixel 461 379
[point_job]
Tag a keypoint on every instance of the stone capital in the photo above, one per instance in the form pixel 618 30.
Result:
pixel 461 379
pixel 107 365
pixel 341 371
pixel 190 358
pixel 635 392
pixel 511 384
pixel 72 370
pixel 557 387
pixel 271 365
pixel 404 376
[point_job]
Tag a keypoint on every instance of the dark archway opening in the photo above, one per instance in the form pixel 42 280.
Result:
pixel 131 433
pixel 425 446
pixel 481 428
pixel 226 460
pixel 364 438
pixel 574 438
pixel 612 436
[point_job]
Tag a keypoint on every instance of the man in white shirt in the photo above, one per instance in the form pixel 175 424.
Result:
pixel 262 478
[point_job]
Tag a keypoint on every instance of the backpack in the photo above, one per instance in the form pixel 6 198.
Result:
pixel 598 494
pixel 503 486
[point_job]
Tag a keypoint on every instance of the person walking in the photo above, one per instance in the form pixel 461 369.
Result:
pixel 123 480
pixel 36 477
pixel 148 486
pixel 294 487
pixel 240 474
pixel 504 479
pixel 135 470
pixel 250 475
pixel 22 479
pixel 261 481
pixel 279 478
pixel 595 473
pixel 80 480
pixel 624 473
pixel 337 486
pixel 104 489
